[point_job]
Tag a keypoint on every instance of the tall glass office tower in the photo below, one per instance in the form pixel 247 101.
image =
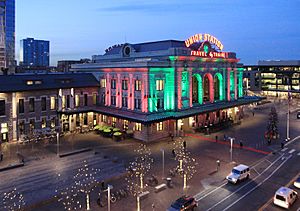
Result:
pixel 7 33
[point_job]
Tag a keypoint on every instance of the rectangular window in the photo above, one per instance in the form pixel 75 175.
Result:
pixel 113 83
pixel 68 101
pixel 94 99
pixel 124 102
pixel 114 120
pixel 159 85
pixel 159 126
pixel 31 104
pixel 113 100
pixel 138 85
pixel 63 101
pixel 160 103
pixel 31 125
pixel 2 107
pixel 21 106
pixel 43 102
pixel 104 118
pixel 138 126
pixel 85 100
pixel 44 122
pixel 52 123
pixel 22 127
pixel 125 124
pixel 52 103
pixel 124 85
pixel 137 103
pixel 77 100
pixel 103 98
pixel 103 83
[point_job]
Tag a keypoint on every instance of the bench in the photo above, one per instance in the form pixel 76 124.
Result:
pixel 160 187
pixel 144 195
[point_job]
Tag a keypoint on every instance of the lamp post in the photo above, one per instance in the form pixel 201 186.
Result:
pixel 109 187
pixel 231 143
pixel 163 162
pixel 288 119
pixel 57 140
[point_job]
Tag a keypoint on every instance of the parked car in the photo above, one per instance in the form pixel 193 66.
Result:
pixel 285 197
pixel 238 173
pixel 297 182
pixel 183 203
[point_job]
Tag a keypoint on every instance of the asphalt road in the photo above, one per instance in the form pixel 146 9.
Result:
pixel 267 176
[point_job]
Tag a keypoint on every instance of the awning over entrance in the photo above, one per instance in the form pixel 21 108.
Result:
pixel 167 115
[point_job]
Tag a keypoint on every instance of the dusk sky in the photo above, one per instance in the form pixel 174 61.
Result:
pixel 255 30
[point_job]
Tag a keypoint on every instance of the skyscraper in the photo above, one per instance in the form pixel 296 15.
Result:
pixel 7 33
pixel 34 53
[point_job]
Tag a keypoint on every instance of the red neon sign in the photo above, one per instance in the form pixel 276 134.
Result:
pixel 210 54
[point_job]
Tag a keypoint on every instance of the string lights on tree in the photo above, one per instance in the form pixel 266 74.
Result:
pixel 13 200
pixel 84 182
pixel 186 164
pixel 137 170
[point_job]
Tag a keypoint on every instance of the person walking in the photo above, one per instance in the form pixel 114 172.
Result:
pixel 241 144
pixel 184 144
pixel 218 164
pixel 282 144
pixel 173 153
pixel 216 138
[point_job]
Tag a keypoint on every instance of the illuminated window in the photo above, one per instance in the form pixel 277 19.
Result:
pixel 63 101
pixel 37 82
pixel 114 120
pixel 21 106
pixel 52 123
pixel 138 85
pixel 159 85
pixel 137 103
pixel 29 82
pixel 44 122
pixel 52 103
pixel 94 99
pixel 125 124
pixel 103 83
pixel 159 126
pixel 113 83
pixel 77 100
pixel 124 85
pixel 104 118
pixel 138 126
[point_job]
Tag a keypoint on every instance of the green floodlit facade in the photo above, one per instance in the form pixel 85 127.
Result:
pixel 161 88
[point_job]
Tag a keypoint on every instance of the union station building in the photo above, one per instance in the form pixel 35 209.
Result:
pixel 155 89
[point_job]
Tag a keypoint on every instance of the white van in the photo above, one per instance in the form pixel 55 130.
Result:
pixel 238 173
pixel 284 197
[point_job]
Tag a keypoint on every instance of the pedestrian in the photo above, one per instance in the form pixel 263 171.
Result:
pixel 218 165
pixel 282 145
pixel 153 206
pixel 216 138
pixel 252 113
pixel 225 137
pixel 173 153
pixel 241 144
pixel 1 157
pixel 184 144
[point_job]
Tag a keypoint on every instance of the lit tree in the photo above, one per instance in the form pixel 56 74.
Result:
pixel 272 129
pixel 84 182
pixel 186 164
pixel 13 200
pixel 137 171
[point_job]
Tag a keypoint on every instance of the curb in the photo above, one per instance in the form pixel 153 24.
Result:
pixel 75 152
pixel 12 166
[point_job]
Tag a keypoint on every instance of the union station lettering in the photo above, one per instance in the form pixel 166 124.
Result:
pixel 210 54
pixel 204 37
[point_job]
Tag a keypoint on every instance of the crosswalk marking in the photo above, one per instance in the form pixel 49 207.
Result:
pixel 291 151
pixel 284 149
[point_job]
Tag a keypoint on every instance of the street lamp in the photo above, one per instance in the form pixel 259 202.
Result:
pixel 163 162
pixel 57 139
pixel 288 119
pixel 231 143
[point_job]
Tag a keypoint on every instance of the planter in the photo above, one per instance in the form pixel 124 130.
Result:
pixel 117 136
pixel 107 133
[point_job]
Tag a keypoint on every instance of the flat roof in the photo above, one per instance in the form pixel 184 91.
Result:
pixel 148 118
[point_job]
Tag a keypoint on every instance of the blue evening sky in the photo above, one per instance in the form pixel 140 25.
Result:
pixel 254 29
